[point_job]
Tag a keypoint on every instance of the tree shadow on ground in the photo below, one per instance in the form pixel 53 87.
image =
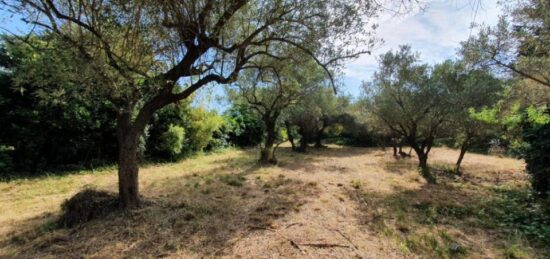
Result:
pixel 194 216
pixel 456 218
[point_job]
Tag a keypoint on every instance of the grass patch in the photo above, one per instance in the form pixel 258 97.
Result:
pixel 433 221
pixel 236 180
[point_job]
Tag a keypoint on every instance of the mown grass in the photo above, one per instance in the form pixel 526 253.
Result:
pixel 451 219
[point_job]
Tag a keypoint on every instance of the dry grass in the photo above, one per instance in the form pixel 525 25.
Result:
pixel 337 202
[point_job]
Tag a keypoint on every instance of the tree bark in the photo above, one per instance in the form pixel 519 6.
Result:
pixel 303 141
pixel 463 150
pixel 423 165
pixel 267 155
pixel 290 136
pixel 128 164
pixel 319 138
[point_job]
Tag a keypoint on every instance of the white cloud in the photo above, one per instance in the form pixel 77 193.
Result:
pixel 435 32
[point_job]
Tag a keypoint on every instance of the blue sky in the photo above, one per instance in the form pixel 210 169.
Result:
pixel 434 32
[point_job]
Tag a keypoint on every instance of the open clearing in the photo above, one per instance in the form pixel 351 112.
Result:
pixel 338 202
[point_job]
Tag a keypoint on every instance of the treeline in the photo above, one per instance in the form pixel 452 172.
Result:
pixel 88 98
pixel 38 137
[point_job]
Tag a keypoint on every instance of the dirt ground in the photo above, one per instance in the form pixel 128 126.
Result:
pixel 335 202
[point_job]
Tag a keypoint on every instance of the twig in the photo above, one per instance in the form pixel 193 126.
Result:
pixel 294 224
pixel 347 238
pixel 322 245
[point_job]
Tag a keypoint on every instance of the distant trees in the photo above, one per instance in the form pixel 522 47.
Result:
pixel 314 113
pixel 273 88
pixel 135 55
pixel 518 45
pixel 473 91
pixel 420 103
pixel 411 100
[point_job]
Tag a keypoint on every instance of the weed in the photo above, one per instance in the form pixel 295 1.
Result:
pixel 233 179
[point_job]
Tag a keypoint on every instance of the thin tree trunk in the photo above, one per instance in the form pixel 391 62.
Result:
pixel 463 150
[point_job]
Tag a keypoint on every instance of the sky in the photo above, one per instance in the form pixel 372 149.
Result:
pixel 435 32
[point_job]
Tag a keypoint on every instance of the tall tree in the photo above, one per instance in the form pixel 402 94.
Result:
pixel 138 53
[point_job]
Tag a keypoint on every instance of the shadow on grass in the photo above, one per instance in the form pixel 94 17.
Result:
pixel 202 215
pixel 456 219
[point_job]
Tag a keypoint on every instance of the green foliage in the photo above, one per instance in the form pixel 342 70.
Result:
pixel 515 209
pixel 171 141
pixel 537 152
pixel 203 125
pixel 246 126
pixel 42 136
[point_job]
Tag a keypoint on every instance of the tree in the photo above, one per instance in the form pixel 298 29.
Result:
pixel 314 113
pixel 72 133
pixel 519 46
pixel 271 89
pixel 136 54
pixel 412 100
pixel 475 90
pixel 246 125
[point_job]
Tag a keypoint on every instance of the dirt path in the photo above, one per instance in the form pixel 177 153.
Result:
pixel 329 220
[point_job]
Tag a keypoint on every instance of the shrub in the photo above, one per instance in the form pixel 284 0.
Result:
pixel 203 126
pixel 537 156
pixel 171 141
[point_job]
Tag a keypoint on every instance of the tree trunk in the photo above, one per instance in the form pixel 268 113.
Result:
pixel 423 166
pixel 290 136
pixel 303 141
pixel 394 150
pixel 463 150
pixel 319 138
pixel 267 155
pixel 128 165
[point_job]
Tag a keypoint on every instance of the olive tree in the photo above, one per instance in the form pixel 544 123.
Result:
pixel 476 89
pixel 273 88
pixel 143 55
pixel 412 100
pixel 517 44
pixel 314 113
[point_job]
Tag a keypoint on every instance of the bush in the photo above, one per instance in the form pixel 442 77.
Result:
pixel 537 157
pixel 203 126
pixel 171 141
